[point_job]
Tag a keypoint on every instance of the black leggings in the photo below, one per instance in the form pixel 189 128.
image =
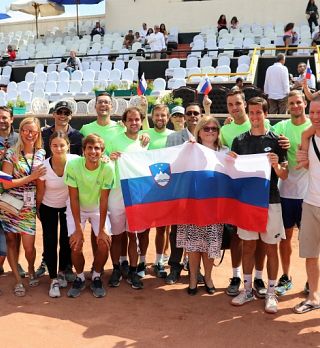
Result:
pixel 314 20
pixel 49 220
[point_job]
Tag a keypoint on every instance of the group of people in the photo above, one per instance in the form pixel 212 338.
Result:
pixel 73 189
pixel 222 23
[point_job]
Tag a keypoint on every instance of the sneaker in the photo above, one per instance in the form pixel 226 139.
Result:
pixel 271 303
pixel 69 275
pixel 260 288
pixel 306 289
pixel 21 271
pixel 165 259
pixel 283 285
pixel 141 269
pixel 233 288
pixel 115 278
pixel 159 270
pixel 77 286
pixel 135 280
pixel 124 268
pixel 173 276
pixel 62 280
pixel 41 269
pixel 54 290
pixel 97 288
pixel 243 298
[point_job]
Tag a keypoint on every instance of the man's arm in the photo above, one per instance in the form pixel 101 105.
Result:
pixel 285 80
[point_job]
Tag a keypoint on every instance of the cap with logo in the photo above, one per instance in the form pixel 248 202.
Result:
pixel 62 105
pixel 177 110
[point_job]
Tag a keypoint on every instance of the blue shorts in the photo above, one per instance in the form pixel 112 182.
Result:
pixel 3 243
pixel 291 212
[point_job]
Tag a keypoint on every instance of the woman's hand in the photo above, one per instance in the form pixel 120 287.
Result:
pixel 38 172
pixel 115 155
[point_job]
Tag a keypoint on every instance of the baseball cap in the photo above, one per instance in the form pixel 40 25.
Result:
pixel 62 105
pixel 177 110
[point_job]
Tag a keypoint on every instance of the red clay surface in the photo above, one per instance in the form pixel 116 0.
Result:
pixel 158 316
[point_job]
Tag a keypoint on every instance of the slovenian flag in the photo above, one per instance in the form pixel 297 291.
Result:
pixel 204 86
pixel 4 177
pixel 142 86
pixel 192 184
pixel 308 71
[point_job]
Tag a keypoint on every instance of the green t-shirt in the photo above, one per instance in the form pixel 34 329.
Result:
pixel 122 143
pixel 157 139
pixel 89 182
pixel 293 133
pixel 105 132
pixel 233 130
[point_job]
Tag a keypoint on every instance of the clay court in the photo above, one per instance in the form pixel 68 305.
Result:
pixel 158 316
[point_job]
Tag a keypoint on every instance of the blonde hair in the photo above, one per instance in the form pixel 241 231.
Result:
pixel 205 120
pixel 38 144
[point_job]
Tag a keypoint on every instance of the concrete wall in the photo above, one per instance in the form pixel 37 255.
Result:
pixel 193 15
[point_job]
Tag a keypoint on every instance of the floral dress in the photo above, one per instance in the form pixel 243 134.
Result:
pixel 26 221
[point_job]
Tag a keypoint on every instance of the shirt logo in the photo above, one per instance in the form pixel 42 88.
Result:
pixel 161 173
pixel 267 149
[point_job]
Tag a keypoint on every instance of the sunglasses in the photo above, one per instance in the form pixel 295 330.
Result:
pixel 177 115
pixel 210 129
pixel 61 112
pixel 192 113
pixel 27 132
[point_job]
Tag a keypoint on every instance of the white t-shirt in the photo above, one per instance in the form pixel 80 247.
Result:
pixel 276 83
pixel 313 192
pixel 56 191
pixel 157 41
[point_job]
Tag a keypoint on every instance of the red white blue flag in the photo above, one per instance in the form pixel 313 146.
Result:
pixel 4 177
pixel 142 86
pixel 308 71
pixel 204 86
pixel 192 184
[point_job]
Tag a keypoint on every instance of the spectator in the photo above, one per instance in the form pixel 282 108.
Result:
pixel 144 31
pixel 316 38
pixel 239 84
pixel 24 163
pixel 157 43
pixel 302 67
pixel 312 14
pixel 137 37
pixel 163 30
pixel 73 62
pixel 128 39
pixel 234 24
pixel 97 30
pixel 11 53
pixel 222 22
pixel 202 242
pixel 290 37
pixel 276 85
pixel 149 32
pixel 177 118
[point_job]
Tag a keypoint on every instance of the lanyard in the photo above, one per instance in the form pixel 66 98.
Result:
pixel 24 157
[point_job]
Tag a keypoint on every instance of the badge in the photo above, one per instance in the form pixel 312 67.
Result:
pixel 29 199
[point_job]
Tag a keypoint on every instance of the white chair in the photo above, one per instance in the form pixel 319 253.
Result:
pixel 271 52
pixel 223 69
pixel 242 68
pixel 172 64
pixel 62 66
pixel 115 75
pixel 12 95
pixel 238 42
pixel 136 46
pixel 179 73
pixel 264 41
pixel 92 107
pixel 82 108
pixel 224 60
pixel 51 87
pixel 192 71
pixel 106 65
pixel 209 70
pixel 159 84
pixel 229 50
pixel 38 68
pixel 41 77
pixel 6 75
pixel 85 65
pixel 53 76
pixel 103 75
pixel 134 65
pixel 77 75
pixel 89 75
pixel 205 61
pixel 64 76
pixel 40 106
pixel 125 54
pixel 38 93
pixel 51 67
pixel 118 64
pixel 39 85
pixel 23 86
pixel 244 59
pixel 191 62
pixel 95 65
pixel 30 77
pixel 212 45
pixel 87 88
pixel 248 42
pixel 127 75
pixel 75 87
pixel 122 106
pixel 178 83
pixel 12 86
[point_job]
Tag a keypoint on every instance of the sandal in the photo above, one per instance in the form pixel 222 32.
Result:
pixel 19 290
pixel 33 281
pixel 304 307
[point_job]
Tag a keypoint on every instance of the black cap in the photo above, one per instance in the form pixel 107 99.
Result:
pixel 62 105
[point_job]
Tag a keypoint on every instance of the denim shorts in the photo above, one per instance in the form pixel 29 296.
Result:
pixel 3 244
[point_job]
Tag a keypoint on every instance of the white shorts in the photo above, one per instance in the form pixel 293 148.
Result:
pixel 275 230
pixel 92 216
pixel 117 211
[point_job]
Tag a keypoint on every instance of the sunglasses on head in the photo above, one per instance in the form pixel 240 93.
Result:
pixel 210 129
pixel 192 113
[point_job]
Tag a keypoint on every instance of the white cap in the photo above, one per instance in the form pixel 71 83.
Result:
pixel 177 110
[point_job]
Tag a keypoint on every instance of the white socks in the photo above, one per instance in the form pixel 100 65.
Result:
pixel 159 259
pixel 247 279
pixel 271 286
pixel 236 272
pixel 81 276
pixel 258 274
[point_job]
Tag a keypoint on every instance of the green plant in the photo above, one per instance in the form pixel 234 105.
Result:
pixel 112 87
pixel 167 99
pixel 150 84
pixel 151 100
pixel 178 101
pixel 10 104
pixel 134 85
pixel 20 103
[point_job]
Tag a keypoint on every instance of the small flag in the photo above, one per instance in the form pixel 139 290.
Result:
pixel 4 177
pixel 204 86
pixel 309 71
pixel 142 86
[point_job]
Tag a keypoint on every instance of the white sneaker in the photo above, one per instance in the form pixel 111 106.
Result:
pixel 54 289
pixel 243 298
pixel 62 280
pixel 271 303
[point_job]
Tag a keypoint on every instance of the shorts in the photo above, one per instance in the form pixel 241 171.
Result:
pixel 309 235
pixel 3 243
pixel 117 211
pixel 275 230
pixel 291 212
pixel 92 216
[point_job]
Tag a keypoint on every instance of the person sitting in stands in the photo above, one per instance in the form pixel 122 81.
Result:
pixel 222 22
pixel 290 37
pixel 97 30
pixel 128 39
pixel 11 53
pixel 73 63
pixel 234 24
pixel 137 37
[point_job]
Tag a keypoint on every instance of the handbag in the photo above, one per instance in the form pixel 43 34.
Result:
pixel 10 204
pixel 228 231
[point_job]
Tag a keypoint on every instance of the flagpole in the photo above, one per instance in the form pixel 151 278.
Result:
pixel 77 4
